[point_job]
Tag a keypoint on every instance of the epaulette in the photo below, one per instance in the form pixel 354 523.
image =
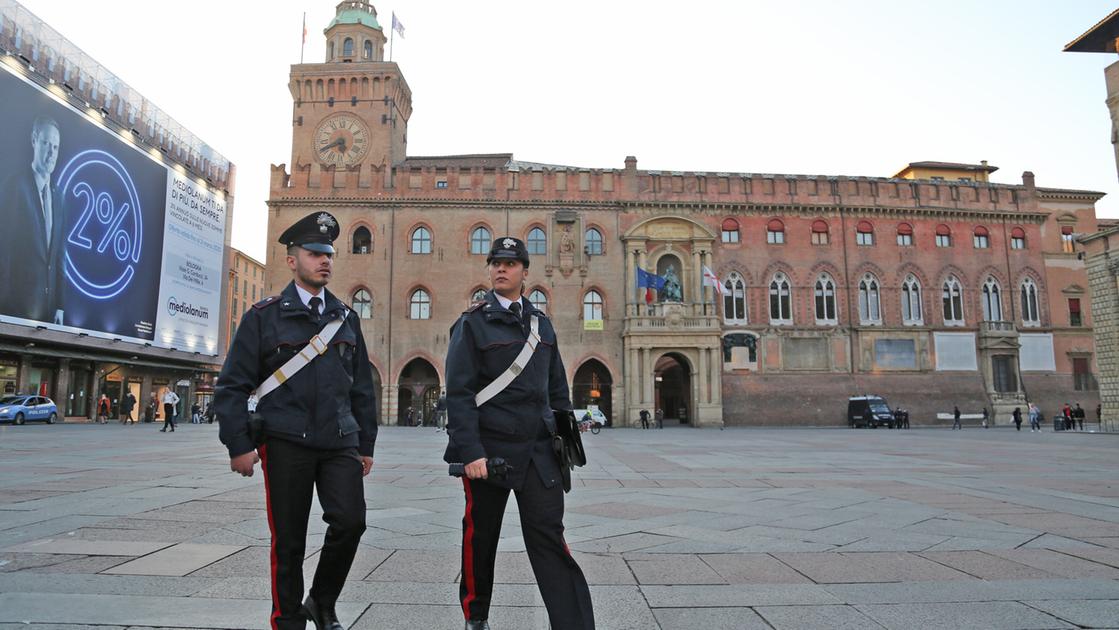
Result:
pixel 475 306
pixel 268 301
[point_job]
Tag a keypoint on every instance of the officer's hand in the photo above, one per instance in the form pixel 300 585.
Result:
pixel 244 463
pixel 366 465
pixel 477 469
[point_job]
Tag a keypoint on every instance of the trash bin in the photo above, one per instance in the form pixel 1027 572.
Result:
pixel 1058 422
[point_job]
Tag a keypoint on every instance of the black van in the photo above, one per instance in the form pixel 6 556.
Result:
pixel 869 411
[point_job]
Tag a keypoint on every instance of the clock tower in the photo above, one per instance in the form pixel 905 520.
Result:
pixel 350 111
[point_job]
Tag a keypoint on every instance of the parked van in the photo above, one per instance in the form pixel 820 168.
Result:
pixel 869 411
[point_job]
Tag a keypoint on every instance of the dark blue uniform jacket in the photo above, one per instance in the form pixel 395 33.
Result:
pixel 329 404
pixel 514 424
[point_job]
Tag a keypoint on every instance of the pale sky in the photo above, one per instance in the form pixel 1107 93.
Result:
pixel 806 87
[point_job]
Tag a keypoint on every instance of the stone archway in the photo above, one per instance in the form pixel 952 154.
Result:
pixel 418 391
pixel 672 382
pixel 593 385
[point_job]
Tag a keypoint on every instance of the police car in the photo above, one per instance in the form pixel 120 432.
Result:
pixel 20 409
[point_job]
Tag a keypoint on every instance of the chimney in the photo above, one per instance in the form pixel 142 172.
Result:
pixel 1028 181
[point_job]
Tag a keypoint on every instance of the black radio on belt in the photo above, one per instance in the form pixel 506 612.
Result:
pixel 495 467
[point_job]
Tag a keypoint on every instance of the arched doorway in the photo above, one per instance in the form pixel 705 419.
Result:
pixel 418 391
pixel 593 386
pixel 673 384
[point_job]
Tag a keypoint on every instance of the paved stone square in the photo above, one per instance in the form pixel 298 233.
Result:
pixel 124 527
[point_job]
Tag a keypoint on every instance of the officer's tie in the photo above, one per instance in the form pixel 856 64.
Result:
pixel 315 303
pixel 515 308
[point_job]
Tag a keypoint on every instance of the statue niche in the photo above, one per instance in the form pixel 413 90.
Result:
pixel 668 268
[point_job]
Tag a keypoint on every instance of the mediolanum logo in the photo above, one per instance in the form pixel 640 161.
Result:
pixel 175 307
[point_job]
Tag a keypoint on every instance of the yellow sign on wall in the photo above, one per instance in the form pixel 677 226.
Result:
pixel 592 324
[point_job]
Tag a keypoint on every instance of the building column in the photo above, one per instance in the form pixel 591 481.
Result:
pixel 697 280
pixel 631 282
pixel 709 292
pixel 392 400
pixel 23 376
pixel 717 376
pixel 704 376
pixel 647 378
pixel 62 386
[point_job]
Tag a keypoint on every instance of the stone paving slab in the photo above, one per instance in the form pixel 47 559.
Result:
pixel 815 618
pixel 711 618
pixel 753 568
pixel 836 568
pixel 987 615
pixel 88 547
pixel 176 560
pixel 1085 613
pixel 985 566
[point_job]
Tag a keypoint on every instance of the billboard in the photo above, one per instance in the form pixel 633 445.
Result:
pixel 97 235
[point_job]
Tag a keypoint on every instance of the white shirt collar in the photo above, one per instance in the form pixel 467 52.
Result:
pixel 306 296
pixel 505 302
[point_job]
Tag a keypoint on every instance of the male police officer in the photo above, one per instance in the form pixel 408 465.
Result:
pixel 515 424
pixel 319 424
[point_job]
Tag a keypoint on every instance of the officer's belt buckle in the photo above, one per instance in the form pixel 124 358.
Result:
pixel 317 344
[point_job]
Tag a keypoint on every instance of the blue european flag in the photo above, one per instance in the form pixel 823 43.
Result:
pixel 649 280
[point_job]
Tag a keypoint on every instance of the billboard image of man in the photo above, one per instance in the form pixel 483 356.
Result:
pixel 34 216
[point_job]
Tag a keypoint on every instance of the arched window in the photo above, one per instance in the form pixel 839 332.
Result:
pixel 1030 314
pixel 864 233
pixel 981 238
pixel 730 231
pixel 734 299
pixel 592 242
pixel 363 241
pixel 419 305
pixel 367 50
pixel 421 241
pixel 953 302
pixel 992 301
pixel 480 241
pixel 780 301
pixel 905 234
pixel 870 304
pixel 478 295
pixel 911 312
pixel 943 236
pixel 537 242
pixel 1017 238
pixel 592 306
pixel 775 232
pixel 348 47
pixel 363 304
pixel 825 300
pixel 539 299
pixel 819 232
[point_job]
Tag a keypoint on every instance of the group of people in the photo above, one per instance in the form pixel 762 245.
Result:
pixel 1068 420
pixel 314 427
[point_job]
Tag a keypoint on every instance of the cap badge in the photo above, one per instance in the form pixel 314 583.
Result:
pixel 325 221
pixel 510 243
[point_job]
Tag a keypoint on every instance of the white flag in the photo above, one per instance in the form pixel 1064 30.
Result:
pixel 397 25
pixel 711 280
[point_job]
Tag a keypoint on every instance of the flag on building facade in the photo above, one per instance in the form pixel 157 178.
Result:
pixel 711 280
pixel 397 25
pixel 650 281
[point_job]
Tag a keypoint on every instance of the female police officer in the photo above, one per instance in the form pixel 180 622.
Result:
pixel 515 424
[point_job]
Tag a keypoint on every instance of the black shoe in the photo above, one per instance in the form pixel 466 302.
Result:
pixel 322 616
pixel 477 624
pixel 163 430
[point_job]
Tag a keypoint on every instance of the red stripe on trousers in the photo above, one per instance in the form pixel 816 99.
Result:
pixel 468 550
pixel 263 450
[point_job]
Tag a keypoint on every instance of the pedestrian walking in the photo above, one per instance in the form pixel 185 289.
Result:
pixel 1099 415
pixel 956 414
pixel 127 404
pixel 441 413
pixel 312 435
pixel 170 399
pixel 103 407
pixel 504 379
pixel 195 414
pixel 986 418
pixel 658 415
pixel 1017 415
pixel 1035 418
pixel 1066 415
pixel 409 418
pixel 1078 416
pixel 644 418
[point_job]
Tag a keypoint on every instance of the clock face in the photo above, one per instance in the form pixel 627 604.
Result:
pixel 341 140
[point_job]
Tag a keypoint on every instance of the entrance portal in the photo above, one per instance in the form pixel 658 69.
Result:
pixel 673 382
pixel 593 386
pixel 419 389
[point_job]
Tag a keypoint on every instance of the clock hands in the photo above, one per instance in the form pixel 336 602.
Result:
pixel 340 142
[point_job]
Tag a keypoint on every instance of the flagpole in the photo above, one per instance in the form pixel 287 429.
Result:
pixel 303 45
pixel 392 34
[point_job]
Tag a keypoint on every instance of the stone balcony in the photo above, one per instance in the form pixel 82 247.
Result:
pixel 671 318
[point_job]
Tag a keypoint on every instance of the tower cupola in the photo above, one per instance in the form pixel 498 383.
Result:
pixel 354 35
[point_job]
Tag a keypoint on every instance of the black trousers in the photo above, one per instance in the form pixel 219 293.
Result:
pixel 291 472
pixel 168 416
pixel 558 576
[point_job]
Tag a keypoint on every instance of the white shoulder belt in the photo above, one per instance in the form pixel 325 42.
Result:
pixel 318 345
pixel 500 383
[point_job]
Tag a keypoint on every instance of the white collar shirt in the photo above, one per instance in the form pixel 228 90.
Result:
pixel 505 302
pixel 306 296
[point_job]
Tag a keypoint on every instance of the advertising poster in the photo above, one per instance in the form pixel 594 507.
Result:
pixel 99 237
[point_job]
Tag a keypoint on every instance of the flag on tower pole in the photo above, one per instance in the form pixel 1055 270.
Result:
pixel 397 25
pixel 650 281
pixel 304 44
pixel 711 280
